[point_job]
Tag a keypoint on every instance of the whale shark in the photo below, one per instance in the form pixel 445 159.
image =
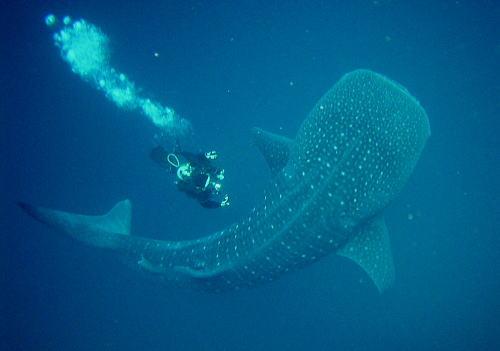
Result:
pixel 327 193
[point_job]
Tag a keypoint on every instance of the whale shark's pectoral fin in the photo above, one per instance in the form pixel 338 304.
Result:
pixel 100 231
pixel 275 148
pixel 371 249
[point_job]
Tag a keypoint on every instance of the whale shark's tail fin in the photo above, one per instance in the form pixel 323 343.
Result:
pixel 371 249
pixel 101 231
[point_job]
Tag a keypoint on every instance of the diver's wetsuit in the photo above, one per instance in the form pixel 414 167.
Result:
pixel 199 184
pixel 195 190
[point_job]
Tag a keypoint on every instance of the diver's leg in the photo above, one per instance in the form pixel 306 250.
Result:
pixel 210 204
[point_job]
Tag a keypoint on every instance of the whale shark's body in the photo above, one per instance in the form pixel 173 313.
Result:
pixel 330 186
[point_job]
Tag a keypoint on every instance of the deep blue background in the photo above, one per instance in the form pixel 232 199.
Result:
pixel 227 66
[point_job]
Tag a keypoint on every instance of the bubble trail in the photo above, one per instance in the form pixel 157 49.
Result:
pixel 86 49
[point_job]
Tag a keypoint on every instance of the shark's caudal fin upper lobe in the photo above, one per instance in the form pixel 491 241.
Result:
pixel 100 230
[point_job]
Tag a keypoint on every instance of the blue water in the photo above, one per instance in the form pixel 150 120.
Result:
pixel 228 66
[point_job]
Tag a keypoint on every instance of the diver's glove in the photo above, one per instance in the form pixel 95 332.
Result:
pixel 220 175
pixel 225 202
pixel 211 155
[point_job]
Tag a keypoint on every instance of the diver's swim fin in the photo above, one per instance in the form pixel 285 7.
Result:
pixel 160 156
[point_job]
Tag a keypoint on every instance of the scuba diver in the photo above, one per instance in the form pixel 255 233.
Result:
pixel 195 175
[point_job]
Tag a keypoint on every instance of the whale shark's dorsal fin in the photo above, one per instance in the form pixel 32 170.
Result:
pixel 274 147
pixel 371 249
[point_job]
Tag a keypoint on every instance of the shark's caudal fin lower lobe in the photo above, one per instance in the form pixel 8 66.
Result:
pixel 100 231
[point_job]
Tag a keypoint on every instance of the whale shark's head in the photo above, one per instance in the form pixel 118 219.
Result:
pixel 359 145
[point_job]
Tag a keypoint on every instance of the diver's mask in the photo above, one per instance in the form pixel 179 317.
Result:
pixel 184 171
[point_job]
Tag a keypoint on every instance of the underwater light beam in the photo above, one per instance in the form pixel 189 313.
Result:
pixel 86 49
